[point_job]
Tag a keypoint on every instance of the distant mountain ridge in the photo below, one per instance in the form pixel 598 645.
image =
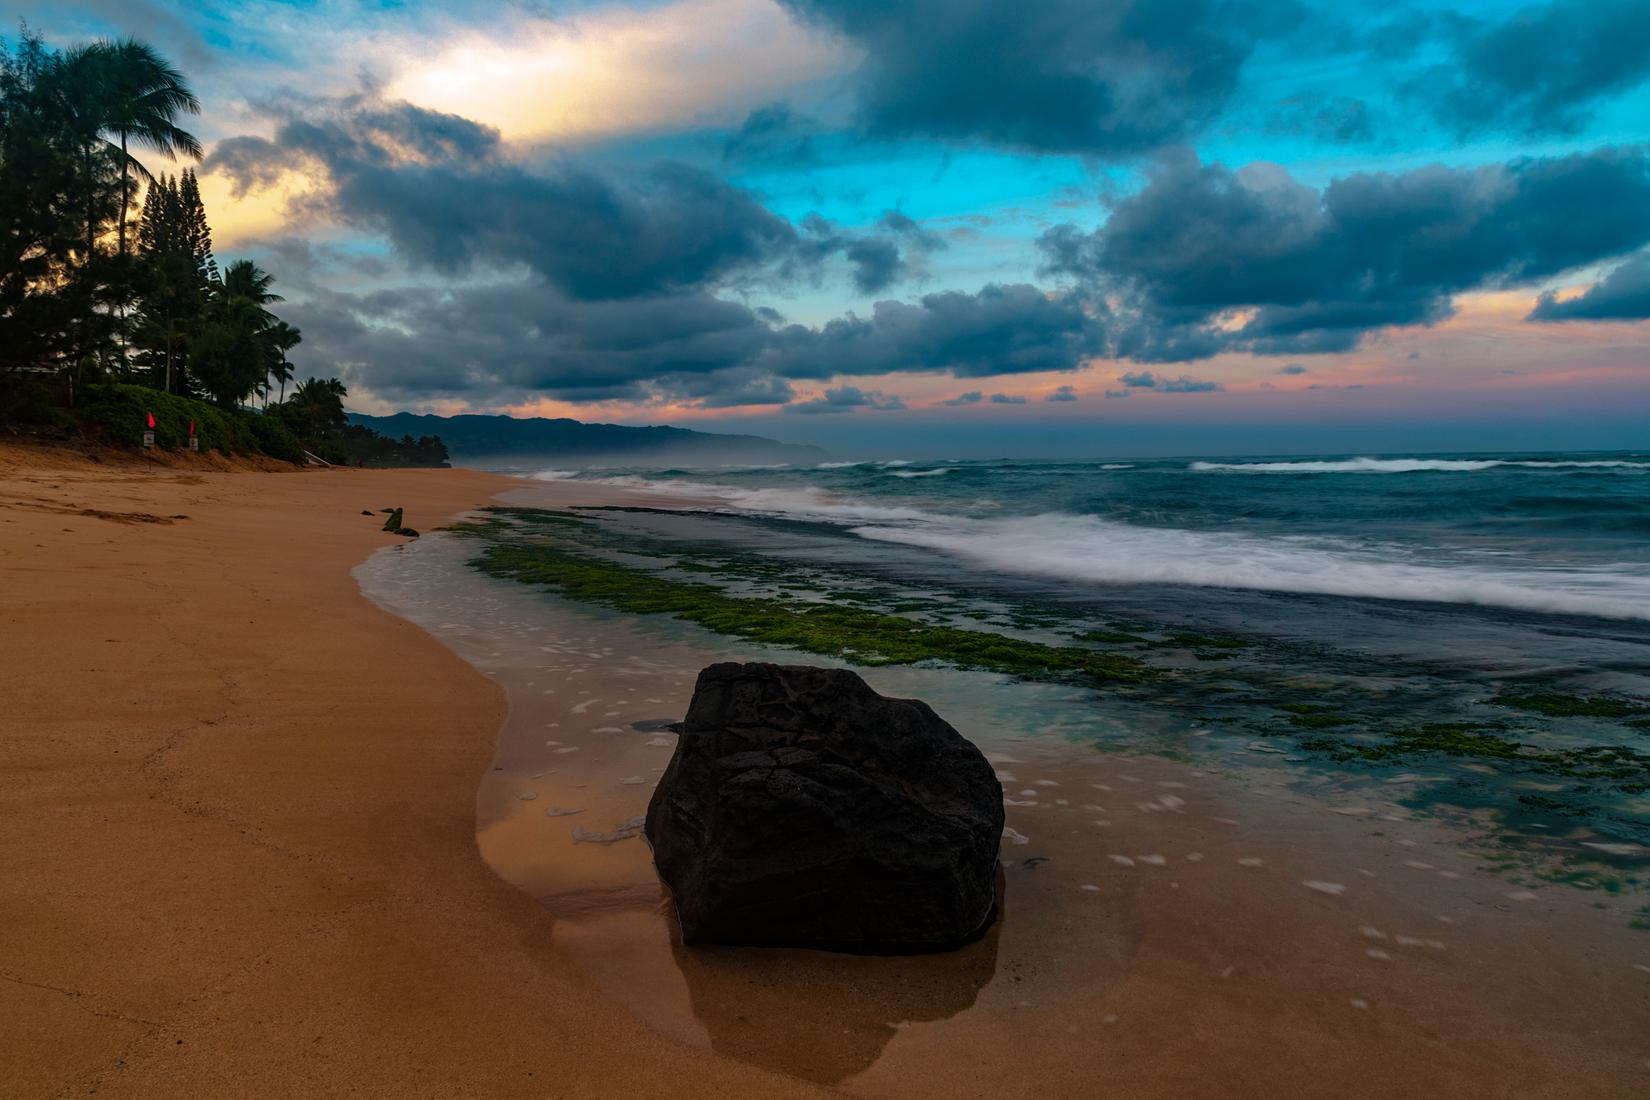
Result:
pixel 516 441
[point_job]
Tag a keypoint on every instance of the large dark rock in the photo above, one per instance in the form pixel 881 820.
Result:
pixel 801 808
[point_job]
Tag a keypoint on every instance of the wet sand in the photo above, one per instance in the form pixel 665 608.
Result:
pixel 245 854
pixel 239 852
pixel 1166 929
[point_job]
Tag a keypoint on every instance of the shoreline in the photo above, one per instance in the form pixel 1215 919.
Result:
pixel 241 854
pixel 1234 917
pixel 251 859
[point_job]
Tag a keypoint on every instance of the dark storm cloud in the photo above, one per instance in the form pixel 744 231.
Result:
pixel 972 397
pixel 728 389
pixel 1064 393
pixel 1000 330
pixel 1056 76
pixel 1292 368
pixel 1542 70
pixel 1007 399
pixel 772 134
pixel 846 399
pixel 505 343
pixel 1622 295
pixel 440 189
pixel 1146 380
pixel 876 263
pixel 1317 270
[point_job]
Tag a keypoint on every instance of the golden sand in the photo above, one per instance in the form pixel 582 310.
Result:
pixel 238 854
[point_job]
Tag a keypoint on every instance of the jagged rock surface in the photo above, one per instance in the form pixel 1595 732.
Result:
pixel 801 808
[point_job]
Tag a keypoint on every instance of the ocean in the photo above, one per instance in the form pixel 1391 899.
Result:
pixel 1383 712
pixel 1544 533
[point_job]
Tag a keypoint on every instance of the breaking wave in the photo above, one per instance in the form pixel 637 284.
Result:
pixel 1093 550
pixel 1411 465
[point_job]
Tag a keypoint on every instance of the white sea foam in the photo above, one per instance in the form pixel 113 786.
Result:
pixel 1095 550
pixel 1091 549
pixel 802 502
pixel 920 473
pixel 1410 465
pixel 554 475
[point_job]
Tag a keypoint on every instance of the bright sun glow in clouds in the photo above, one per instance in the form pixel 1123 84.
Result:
pixel 623 70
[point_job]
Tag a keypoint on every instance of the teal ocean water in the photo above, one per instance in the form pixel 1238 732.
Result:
pixel 1389 747
pixel 1551 534
pixel 1485 617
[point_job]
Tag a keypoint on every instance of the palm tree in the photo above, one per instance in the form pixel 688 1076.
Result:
pixel 144 95
pixel 127 90
pixel 320 402
pixel 245 279
pixel 283 338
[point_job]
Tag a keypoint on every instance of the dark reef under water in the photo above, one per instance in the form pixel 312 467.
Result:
pixel 1550 771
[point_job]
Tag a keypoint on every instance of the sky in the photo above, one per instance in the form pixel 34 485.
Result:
pixel 946 227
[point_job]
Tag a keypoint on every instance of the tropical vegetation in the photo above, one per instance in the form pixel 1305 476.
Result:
pixel 110 292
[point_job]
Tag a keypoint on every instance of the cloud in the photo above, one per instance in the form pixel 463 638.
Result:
pixel 1117 393
pixel 876 263
pixel 505 342
pixel 1056 76
pixel 443 191
pixel 1204 260
pixel 1542 70
pixel 972 397
pixel 1622 295
pixel 501 343
pixel 772 134
pixel 1007 399
pixel 1292 368
pixel 1000 330
pixel 1146 380
pixel 846 399
pixel 1338 120
pixel 590 71
pixel 1064 393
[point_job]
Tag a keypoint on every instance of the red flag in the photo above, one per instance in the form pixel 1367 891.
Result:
pixel 151 421
pixel 191 425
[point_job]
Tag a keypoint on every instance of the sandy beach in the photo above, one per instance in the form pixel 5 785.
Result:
pixel 239 856
pixel 241 859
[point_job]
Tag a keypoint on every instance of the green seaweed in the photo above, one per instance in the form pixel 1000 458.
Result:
pixel 1109 636
pixel 865 637
pixel 1556 705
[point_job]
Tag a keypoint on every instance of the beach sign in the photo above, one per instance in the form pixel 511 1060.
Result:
pixel 194 443
pixel 149 433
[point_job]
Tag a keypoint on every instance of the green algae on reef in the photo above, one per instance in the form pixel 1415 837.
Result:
pixel 1495 758
pixel 852 633
pixel 1555 705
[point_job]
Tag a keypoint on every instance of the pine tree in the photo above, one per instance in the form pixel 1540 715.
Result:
pixel 196 234
pixel 174 252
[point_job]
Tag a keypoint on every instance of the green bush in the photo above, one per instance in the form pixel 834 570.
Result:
pixel 119 409
pixel 276 439
pixel 24 400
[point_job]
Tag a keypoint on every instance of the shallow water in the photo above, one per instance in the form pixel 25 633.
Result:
pixel 1236 920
